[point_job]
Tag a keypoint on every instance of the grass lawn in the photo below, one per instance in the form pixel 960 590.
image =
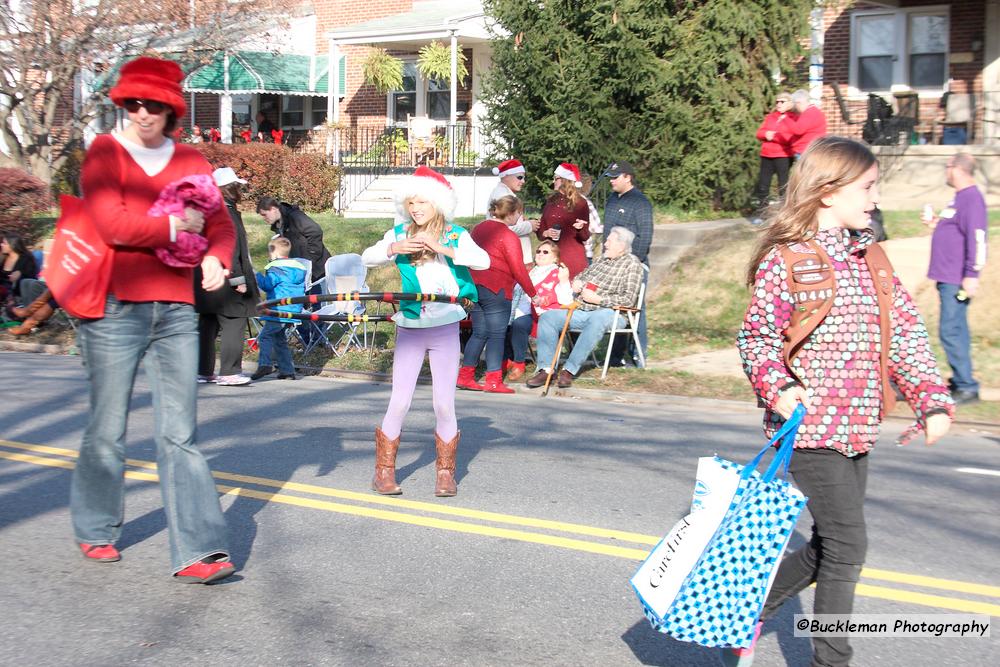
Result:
pixel 697 308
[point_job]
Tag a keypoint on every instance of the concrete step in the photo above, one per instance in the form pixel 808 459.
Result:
pixel 672 242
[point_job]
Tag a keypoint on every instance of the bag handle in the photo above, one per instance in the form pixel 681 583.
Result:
pixel 786 434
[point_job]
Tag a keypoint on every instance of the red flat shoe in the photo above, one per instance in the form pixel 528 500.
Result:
pixel 100 553
pixel 204 573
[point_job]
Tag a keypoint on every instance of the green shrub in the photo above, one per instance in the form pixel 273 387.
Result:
pixel 273 170
pixel 21 196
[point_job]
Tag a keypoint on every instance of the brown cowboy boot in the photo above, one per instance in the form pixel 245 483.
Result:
pixel 30 324
pixel 384 481
pixel 446 486
pixel 25 313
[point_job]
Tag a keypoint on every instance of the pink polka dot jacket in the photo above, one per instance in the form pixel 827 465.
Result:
pixel 839 364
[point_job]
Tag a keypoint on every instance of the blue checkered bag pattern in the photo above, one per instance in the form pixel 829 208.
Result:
pixel 720 601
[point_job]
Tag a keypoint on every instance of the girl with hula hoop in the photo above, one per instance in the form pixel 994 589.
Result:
pixel 433 257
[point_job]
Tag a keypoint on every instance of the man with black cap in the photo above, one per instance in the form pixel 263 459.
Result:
pixel 627 207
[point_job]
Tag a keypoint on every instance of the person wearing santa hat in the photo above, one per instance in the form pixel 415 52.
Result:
pixel 148 314
pixel 512 175
pixel 565 218
pixel 433 256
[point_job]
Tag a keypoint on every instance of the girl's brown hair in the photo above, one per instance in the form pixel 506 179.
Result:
pixel 231 192
pixel 434 229
pixel 828 164
pixel 506 205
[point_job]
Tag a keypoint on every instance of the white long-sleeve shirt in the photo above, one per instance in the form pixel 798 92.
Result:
pixel 434 276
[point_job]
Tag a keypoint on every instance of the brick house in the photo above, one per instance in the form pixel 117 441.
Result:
pixel 911 52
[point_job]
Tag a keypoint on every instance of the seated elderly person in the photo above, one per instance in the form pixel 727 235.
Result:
pixel 612 281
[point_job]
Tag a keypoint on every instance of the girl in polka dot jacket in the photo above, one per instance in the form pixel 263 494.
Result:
pixel 836 373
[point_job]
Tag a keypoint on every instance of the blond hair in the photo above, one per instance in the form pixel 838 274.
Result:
pixel 827 165
pixel 506 205
pixel 279 245
pixel 434 228
pixel 553 246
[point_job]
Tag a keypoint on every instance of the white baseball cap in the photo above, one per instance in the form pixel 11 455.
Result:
pixel 225 176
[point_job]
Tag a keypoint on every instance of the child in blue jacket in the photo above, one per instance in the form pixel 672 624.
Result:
pixel 282 277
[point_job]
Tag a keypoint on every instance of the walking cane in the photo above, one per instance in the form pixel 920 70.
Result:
pixel 555 360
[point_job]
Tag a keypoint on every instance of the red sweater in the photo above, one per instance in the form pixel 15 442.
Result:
pixel 506 259
pixel 802 130
pixel 571 249
pixel 777 147
pixel 117 203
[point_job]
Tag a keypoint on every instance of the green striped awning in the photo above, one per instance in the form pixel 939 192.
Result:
pixel 263 72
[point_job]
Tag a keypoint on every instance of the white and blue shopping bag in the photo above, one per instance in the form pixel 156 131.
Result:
pixel 707 580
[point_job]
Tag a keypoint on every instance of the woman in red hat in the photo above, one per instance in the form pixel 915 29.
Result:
pixel 148 314
pixel 565 218
pixel 433 256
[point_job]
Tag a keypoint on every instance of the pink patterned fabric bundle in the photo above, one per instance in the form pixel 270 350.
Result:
pixel 198 192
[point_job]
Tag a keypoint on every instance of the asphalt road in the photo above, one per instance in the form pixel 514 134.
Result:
pixel 558 501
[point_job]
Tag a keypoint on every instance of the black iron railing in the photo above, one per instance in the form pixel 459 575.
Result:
pixel 365 153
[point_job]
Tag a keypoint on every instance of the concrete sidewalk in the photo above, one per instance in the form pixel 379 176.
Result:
pixel 909 257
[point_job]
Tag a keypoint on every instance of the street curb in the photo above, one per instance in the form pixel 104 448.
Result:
pixel 571 394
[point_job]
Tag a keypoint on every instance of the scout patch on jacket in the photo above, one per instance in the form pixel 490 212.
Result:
pixel 811 271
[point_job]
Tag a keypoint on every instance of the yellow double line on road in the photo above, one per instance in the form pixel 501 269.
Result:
pixel 63 458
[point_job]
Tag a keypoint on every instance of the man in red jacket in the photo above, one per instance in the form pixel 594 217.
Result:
pixel 807 126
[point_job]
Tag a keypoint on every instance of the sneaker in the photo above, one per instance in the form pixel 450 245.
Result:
pixel 232 380
pixel 100 553
pixel 204 573
pixel 741 657
pixel 206 379
pixel 287 376
pixel 261 372
pixel 756 222
pixel 964 396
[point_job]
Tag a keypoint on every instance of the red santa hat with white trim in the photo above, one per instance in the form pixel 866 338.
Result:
pixel 508 168
pixel 570 172
pixel 429 184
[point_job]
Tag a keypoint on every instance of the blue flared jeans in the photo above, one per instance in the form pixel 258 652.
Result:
pixel 166 336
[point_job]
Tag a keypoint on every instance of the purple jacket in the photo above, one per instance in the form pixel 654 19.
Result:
pixel 958 247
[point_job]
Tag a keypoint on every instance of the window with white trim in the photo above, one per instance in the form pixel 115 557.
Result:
pixel 906 47
pixel 292 110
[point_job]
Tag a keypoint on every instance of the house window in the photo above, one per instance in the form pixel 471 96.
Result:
pixel 404 100
pixel 438 99
pixel 292 110
pixel 905 47
pixel 318 111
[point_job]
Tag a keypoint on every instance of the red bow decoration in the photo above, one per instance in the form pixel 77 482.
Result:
pixel 277 135
pixel 214 135
pixel 246 135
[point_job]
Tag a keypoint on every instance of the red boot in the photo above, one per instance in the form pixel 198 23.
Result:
pixel 515 371
pixel 493 383
pixel 467 379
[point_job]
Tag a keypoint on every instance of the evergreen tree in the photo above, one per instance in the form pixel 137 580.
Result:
pixel 678 88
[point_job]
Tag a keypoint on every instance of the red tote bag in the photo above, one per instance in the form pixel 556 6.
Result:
pixel 78 270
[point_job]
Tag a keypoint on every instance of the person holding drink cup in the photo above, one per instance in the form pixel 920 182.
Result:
pixel 564 218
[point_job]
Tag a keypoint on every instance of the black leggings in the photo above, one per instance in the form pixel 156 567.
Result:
pixel 769 166
pixel 234 332
pixel 835 486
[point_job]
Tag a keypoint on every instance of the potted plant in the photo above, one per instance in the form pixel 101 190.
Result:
pixel 434 62
pixel 383 71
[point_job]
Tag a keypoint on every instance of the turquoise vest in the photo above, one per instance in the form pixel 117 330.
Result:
pixel 408 272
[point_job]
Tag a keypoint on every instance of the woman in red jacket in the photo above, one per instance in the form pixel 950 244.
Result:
pixel 148 314
pixel 491 313
pixel 775 153
pixel 566 218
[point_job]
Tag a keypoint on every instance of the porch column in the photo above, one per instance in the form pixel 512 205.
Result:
pixel 991 74
pixel 816 41
pixel 453 118
pixel 333 101
pixel 226 105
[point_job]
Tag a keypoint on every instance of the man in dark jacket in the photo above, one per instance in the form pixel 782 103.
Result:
pixel 305 235
pixel 628 207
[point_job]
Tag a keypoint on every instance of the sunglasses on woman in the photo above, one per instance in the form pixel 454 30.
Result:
pixel 155 108
pixel 542 251
pixel 520 177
